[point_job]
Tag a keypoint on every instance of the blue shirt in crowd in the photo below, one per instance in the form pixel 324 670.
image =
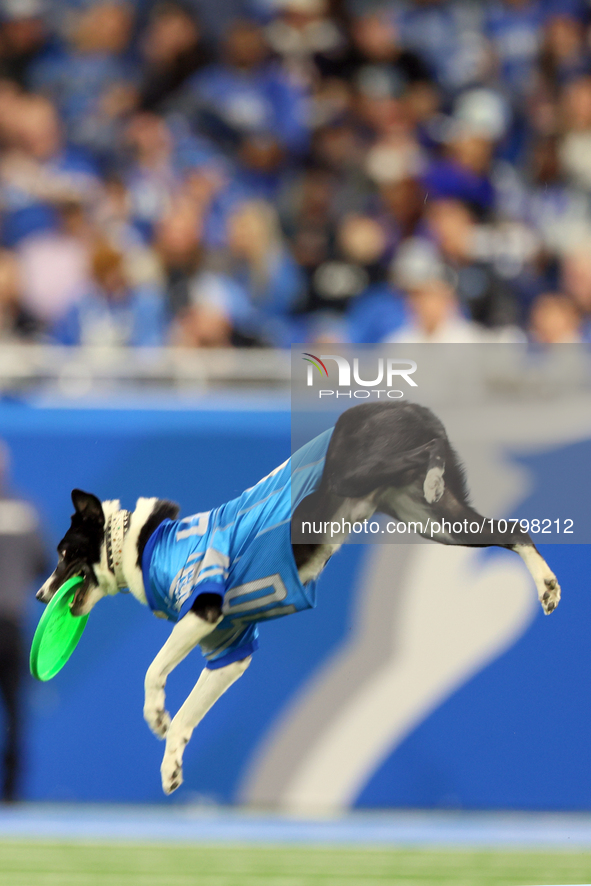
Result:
pixel 264 101
pixel 137 319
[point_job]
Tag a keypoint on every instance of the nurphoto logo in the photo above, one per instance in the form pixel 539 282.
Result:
pixel 389 372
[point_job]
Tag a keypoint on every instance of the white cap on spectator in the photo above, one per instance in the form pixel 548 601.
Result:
pixel 386 163
pixel 15 9
pixel 480 112
pixel 416 263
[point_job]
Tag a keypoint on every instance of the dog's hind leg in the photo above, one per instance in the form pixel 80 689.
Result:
pixel 452 522
pixel 546 582
pixel 503 533
pixel 209 687
pixel 185 636
pixel 506 534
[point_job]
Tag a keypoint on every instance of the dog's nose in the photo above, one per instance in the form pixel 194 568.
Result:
pixel 40 595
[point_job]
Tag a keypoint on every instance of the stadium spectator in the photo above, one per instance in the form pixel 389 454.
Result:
pixel 466 248
pixel 91 79
pixel 439 33
pixel 111 312
pixel 173 48
pixel 179 246
pixel 465 172
pixel 576 282
pixel 308 216
pixel 402 198
pixel 16 323
pixel 261 265
pixel 554 319
pixel 575 148
pixel 248 105
pixel 54 264
pixel 435 317
pixel 251 296
pixel 376 46
pixel 465 125
pixel 150 177
pixel 39 172
pixel 434 312
pixel 24 38
pixel 309 42
pixel 112 219
pixel 216 307
pixel 358 261
pixel 514 29
pixel 564 55
pixel 556 210
pixel 22 560
pixel 355 280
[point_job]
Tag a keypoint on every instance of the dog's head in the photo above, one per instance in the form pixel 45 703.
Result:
pixel 79 553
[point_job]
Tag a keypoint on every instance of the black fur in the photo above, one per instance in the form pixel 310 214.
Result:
pixel 81 545
pixel 382 446
pixel 206 606
pixel 88 506
pixel 388 444
pixel 164 510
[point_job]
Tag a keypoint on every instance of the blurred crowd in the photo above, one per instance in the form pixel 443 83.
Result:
pixel 261 172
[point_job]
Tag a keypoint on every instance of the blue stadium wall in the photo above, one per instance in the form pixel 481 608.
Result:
pixel 508 725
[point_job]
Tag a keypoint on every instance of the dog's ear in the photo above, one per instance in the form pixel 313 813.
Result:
pixel 88 506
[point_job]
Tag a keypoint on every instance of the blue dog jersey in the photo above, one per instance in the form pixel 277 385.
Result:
pixel 241 551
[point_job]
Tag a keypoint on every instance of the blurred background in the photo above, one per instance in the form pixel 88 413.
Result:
pixel 186 189
pixel 256 172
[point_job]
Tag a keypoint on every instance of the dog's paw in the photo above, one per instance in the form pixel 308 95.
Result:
pixel 158 719
pixel 171 770
pixel 550 594
pixel 434 485
pixel 155 713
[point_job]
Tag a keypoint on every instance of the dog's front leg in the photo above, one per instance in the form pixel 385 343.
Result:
pixel 185 635
pixel 209 687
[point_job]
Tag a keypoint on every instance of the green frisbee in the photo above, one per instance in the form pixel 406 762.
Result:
pixel 58 632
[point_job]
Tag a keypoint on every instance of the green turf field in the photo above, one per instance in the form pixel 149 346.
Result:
pixel 97 864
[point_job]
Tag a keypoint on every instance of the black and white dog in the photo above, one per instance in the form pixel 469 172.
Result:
pixel 392 458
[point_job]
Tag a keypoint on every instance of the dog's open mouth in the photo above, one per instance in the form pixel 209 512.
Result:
pixel 79 599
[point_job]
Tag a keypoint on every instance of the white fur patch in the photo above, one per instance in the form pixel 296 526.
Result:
pixel 107 585
pixel 434 487
pixel 105 577
pixel 546 582
pixel 132 572
pixel 350 511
